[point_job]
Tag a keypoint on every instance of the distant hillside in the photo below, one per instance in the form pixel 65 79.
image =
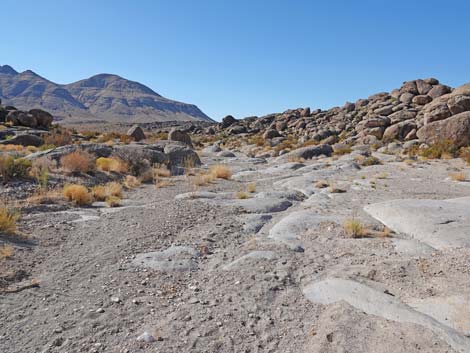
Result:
pixel 101 97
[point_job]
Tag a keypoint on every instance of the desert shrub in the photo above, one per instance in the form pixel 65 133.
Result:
pixel 220 171
pixel 202 179
pixel 354 228
pixel 442 149
pixel 114 189
pixel 367 161
pixel 113 201
pixel 464 153
pixel 40 171
pixel 339 151
pixel 458 176
pixel 242 195
pixel 6 252
pixel 78 194
pixel 111 165
pixel 131 182
pixel 251 188
pixel 99 192
pixel 11 167
pixel 8 219
pixel 58 138
pixel 78 162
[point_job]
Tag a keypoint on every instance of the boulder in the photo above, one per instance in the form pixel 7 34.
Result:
pixel 227 121
pixel 438 90
pixel 305 113
pixel 179 156
pixel 377 122
pixel 43 118
pixel 387 110
pixel 226 154
pixel 423 87
pixel 455 129
pixel 399 131
pixel 24 140
pixel 458 103
pixel 180 136
pixel 402 115
pixel 462 90
pixel 270 134
pixel 421 99
pixel 409 87
pixel 406 97
pixel 98 149
pixel 136 132
pixel 236 129
pixel 435 111
pixel 281 125
pixel 310 151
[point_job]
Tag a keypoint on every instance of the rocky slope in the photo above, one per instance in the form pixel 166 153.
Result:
pixel 101 97
pixel 421 111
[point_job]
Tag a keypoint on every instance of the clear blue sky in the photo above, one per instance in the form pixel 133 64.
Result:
pixel 242 57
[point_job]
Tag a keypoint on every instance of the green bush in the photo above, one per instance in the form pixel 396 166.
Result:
pixel 11 168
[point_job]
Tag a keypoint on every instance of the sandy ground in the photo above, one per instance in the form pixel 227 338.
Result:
pixel 100 291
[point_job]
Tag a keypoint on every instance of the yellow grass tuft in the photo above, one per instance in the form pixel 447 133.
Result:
pixel 114 189
pixel 251 188
pixel 78 194
pixel 459 176
pixel 113 201
pixel 354 228
pixel 221 171
pixel 242 195
pixel 8 220
pixel 111 165
pixel 6 252
pixel 131 182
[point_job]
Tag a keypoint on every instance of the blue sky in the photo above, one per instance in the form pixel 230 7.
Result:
pixel 242 57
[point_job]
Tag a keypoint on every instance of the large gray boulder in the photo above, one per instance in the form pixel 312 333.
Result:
pixel 455 130
pixel 180 136
pixel 309 152
pixel 24 140
pixel 180 156
pixel 43 118
pixel 98 149
pixel 136 132
pixel 227 121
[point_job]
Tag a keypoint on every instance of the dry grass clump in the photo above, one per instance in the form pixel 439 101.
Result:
pixel 58 138
pixel 6 252
pixel 161 171
pixel 367 161
pixel 78 194
pixel 8 219
pixel 78 162
pixel 355 229
pixel 458 176
pixel 464 153
pixel 113 201
pixel 114 189
pixel 11 167
pixel 131 182
pixel 441 150
pixel 202 179
pixel 251 188
pixel 339 151
pixel 163 183
pixel 295 159
pixel 111 165
pixel 99 192
pixel 336 190
pixel 242 195
pixel 321 184
pixel 45 196
pixel 102 192
pixel 221 171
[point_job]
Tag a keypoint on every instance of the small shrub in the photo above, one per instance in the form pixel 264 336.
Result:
pixel 459 176
pixel 321 184
pixel 8 219
pixel 163 183
pixel 131 182
pixel 465 154
pixel 342 150
pixel 161 171
pixel 242 195
pixel 78 194
pixel 367 161
pixel 40 172
pixel 442 149
pixel 13 168
pixel 114 189
pixel 6 252
pixel 251 188
pixel 111 165
pixel 58 138
pixel 113 201
pixel 77 162
pixel 220 171
pixel 354 228
pixel 99 192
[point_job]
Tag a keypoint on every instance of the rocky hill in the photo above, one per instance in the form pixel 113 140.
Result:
pixel 420 111
pixel 102 97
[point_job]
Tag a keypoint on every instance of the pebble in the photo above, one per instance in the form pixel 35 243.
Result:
pixel 146 337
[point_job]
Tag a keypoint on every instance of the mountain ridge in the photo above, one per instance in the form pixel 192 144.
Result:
pixel 102 97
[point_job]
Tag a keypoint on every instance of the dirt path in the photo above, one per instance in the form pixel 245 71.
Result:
pixel 218 284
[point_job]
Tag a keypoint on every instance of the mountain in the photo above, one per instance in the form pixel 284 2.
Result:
pixel 102 97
